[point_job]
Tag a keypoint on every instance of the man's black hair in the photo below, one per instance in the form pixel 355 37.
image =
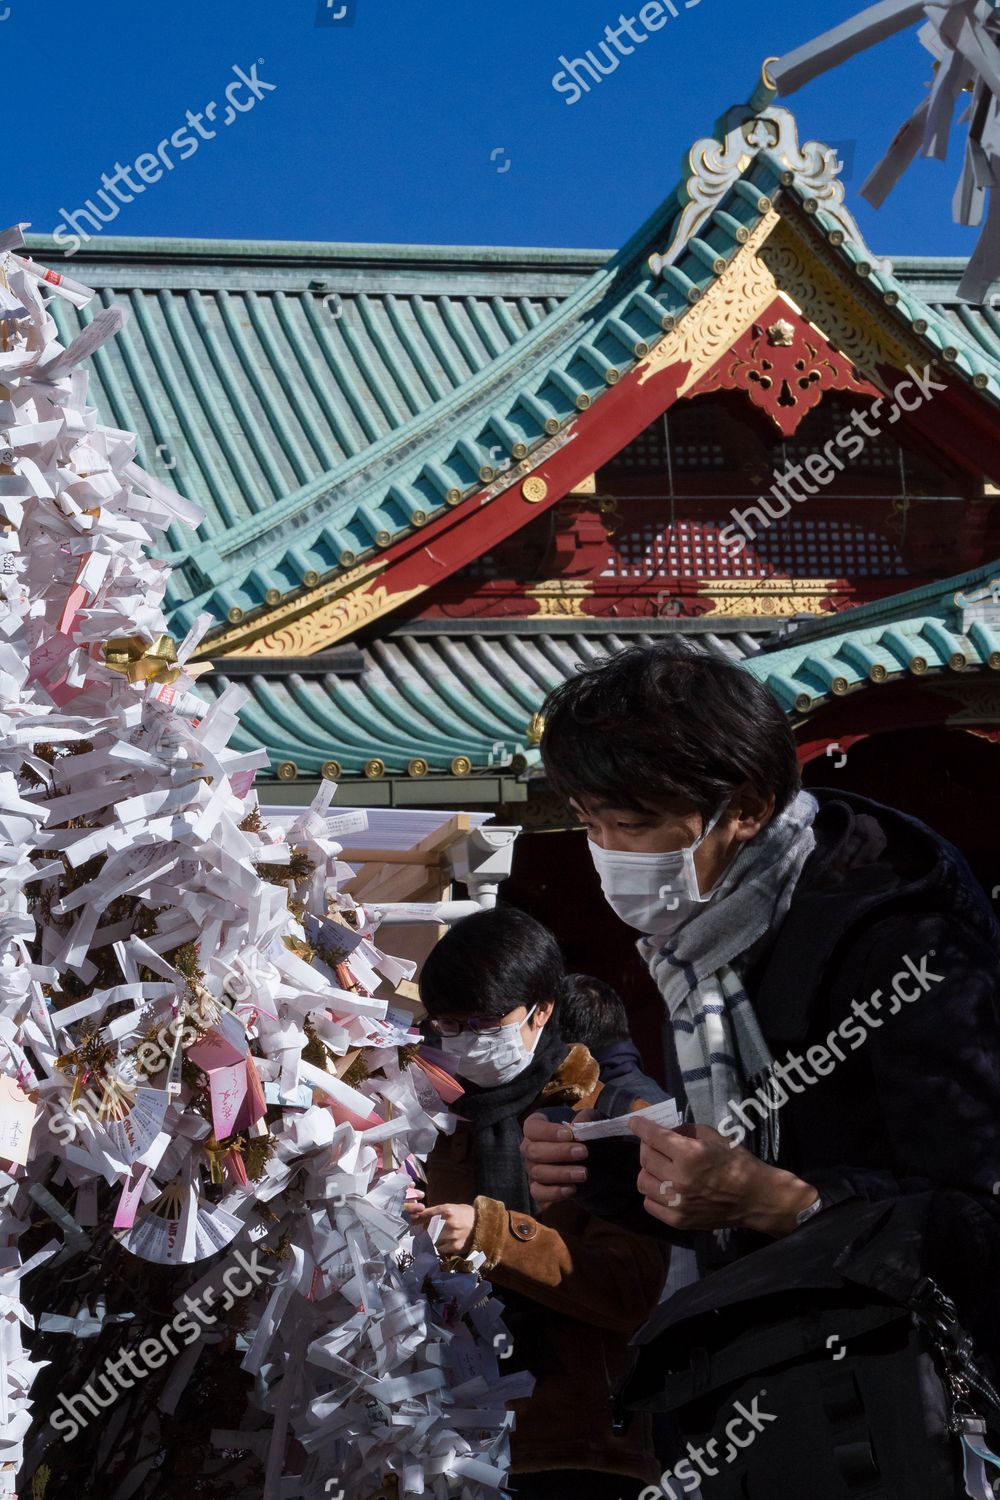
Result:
pixel 490 963
pixel 664 721
pixel 591 1012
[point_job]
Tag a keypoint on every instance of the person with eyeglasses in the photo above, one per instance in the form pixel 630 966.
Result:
pixel 574 1287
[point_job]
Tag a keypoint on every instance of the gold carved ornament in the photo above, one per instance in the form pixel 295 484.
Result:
pixel 814 279
pixel 536 728
pixel 327 625
pixel 561 597
pixel 777 262
pixel 768 596
pixel 236 641
pixel 733 302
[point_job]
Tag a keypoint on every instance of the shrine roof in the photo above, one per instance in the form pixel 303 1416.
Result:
pixel 445 697
pixel 321 402
pixel 938 630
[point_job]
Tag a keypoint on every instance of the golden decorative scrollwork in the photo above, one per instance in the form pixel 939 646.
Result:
pixel 769 596
pixel 816 283
pixel 731 304
pixel 785 261
pixel 326 625
pixel 238 642
pixel 561 596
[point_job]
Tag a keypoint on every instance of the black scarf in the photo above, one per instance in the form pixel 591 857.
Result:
pixel 494 1116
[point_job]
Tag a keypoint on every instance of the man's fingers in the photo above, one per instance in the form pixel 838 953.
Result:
pixel 556 1176
pixel 539 1127
pixel 564 1152
pixel 553 1158
pixel 669 1139
pixel 647 1184
pixel 545 1195
pixel 656 1208
pixel 662 1190
pixel 656 1163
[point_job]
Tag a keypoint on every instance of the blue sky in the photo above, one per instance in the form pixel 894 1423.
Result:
pixel 425 121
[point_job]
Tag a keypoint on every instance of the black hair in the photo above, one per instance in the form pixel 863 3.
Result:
pixel 591 1012
pixel 490 963
pixel 664 721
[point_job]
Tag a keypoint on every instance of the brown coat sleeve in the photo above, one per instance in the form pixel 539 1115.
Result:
pixel 577 1265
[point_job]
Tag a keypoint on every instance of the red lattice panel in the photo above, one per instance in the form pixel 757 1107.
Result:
pixel 803 548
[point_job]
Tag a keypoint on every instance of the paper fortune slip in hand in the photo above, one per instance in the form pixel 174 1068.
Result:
pixel 664 1114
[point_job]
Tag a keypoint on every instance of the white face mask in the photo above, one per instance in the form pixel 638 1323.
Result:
pixel 655 893
pixel 490 1057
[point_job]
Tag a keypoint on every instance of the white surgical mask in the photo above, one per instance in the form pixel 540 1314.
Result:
pixel 655 893
pixel 490 1057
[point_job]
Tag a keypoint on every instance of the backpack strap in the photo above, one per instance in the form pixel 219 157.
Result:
pixel 752 1352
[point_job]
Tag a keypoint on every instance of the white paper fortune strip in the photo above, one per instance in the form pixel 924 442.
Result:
pixel 167 1025
pixel 963 37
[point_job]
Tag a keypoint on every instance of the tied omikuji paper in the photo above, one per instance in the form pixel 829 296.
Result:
pixel 182 986
pixel 963 38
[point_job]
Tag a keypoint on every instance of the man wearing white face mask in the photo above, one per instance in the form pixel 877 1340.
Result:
pixel 829 971
pixel 491 988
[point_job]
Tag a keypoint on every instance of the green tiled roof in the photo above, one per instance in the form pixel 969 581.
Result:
pixel 438 691
pixel 321 401
pixel 250 370
pixel 922 633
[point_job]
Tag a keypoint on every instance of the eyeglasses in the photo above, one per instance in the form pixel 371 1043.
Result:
pixel 449 1026
pixel 480 1025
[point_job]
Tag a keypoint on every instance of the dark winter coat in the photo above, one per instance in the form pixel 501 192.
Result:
pixel 887 908
pixel 909 1099
pixel 588 1284
pixel 623 1078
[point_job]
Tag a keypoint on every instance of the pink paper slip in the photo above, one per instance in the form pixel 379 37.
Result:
pixel 131 1197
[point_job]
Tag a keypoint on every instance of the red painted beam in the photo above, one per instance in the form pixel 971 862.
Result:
pixel 436 551
pixel 958 421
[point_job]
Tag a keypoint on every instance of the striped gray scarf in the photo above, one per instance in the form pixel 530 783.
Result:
pixel 720 1047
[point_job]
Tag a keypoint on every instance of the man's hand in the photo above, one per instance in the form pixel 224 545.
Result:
pixel 552 1158
pixel 692 1178
pixel 459 1222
